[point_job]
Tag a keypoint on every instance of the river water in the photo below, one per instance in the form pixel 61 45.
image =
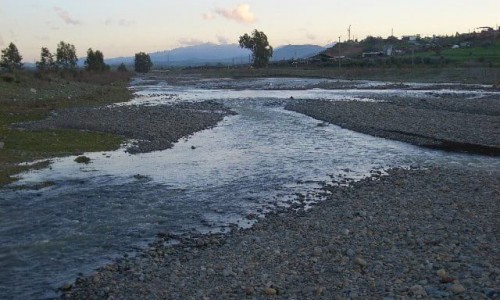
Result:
pixel 249 164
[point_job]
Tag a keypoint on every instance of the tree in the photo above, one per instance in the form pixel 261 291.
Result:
pixel 95 61
pixel 122 68
pixel 66 56
pixel 258 44
pixel 11 59
pixel 46 62
pixel 142 62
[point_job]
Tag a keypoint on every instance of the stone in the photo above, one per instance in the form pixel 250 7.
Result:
pixel 270 291
pixel 360 262
pixel 350 252
pixel 442 273
pixel 457 288
pixel 2 144
pixel 418 290
pixel 436 293
pixel 317 251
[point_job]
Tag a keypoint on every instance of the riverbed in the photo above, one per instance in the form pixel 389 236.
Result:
pixel 249 164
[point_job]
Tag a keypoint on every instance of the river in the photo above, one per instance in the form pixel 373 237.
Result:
pixel 249 164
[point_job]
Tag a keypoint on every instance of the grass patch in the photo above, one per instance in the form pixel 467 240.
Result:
pixel 28 98
pixel 437 74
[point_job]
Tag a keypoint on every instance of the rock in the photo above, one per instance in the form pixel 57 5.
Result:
pixel 193 147
pixel 436 293
pixel 33 90
pixel 270 291
pixel 82 159
pixel 2 144
pixel 350 252
pixel 457 288
pixel 249 291
pixel 317 251
pixel 228 272
pixel 441 273
pixel 418 290
pixel 360 262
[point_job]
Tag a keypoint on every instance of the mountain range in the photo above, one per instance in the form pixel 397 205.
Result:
pixel 212 54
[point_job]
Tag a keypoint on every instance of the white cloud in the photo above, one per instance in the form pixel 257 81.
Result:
pixel 120 22
pixel 311 36
pixel 125 22
pixel 222 40
pixel 190 41
pixel 241 13
pixel 64 15
pixel 208 16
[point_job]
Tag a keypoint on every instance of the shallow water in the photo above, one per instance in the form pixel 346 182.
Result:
pixel 250 163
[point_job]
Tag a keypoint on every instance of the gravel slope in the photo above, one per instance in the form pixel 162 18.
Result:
pixel 452 124
pixel 416 233
pixel 154 127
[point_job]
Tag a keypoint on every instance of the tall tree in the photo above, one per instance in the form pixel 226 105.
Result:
pixel 95 61
pixel 11 59
pixel 259 45
pixel 46 62
pixel 66 56
pixel 142 62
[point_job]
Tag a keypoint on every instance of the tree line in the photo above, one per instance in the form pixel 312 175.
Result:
pixel 65 57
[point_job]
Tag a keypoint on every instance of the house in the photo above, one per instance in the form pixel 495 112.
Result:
pixel 372 54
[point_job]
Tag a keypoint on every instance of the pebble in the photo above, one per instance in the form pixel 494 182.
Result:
pixel 457 288
pixel 270 291
pixel 418 290
pixel 360 262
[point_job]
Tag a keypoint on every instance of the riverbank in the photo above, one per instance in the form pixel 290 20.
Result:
pixel 25 97
pixel 152 128
pixel 470 75
pixel 418 233
pixel 447 121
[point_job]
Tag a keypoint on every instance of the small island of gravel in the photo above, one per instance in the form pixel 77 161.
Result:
pixel 152 127
pixel 447 122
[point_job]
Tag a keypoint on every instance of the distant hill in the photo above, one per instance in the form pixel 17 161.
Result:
pixel 193 56
pixel 296 51
pixel 212 54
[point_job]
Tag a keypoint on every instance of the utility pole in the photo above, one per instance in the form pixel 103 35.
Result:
pixel 339 55
pixel 349 33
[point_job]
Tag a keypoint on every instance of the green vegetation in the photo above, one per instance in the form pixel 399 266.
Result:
pixel 66 56
pixel 421 73
pixel 95 61
pixel 11 59
pixel 25 97
pixel 143 62
pixel 258 44
pixel 489 53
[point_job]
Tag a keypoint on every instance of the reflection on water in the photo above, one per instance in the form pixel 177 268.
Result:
pixel 249 164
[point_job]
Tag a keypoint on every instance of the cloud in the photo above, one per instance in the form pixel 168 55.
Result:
pixel 120 22
pixel 311 36
pixel 1 41
pixel 64 15
pixel 208 16
pixel 241 13
pixel 222 40
pixel 190 41
pixel 125 22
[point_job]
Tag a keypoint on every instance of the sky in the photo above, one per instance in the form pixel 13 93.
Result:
pixel 124 27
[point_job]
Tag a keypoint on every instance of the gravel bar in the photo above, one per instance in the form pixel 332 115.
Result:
pixel 452 124
pixel 153 127
pixel 427 233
